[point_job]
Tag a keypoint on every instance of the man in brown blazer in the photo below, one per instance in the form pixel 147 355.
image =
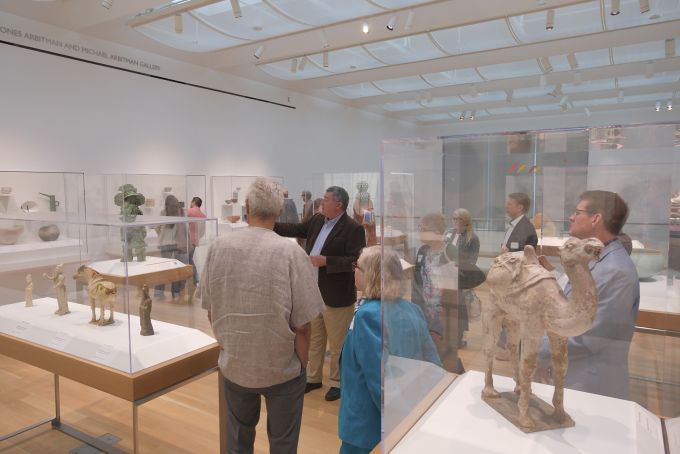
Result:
pixel 334 242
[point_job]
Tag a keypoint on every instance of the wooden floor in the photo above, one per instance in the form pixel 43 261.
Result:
pixel 186 420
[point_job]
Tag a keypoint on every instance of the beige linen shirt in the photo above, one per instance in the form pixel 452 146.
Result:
pixel 258 286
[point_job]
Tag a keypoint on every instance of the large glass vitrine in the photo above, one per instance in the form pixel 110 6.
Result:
pixel 440 407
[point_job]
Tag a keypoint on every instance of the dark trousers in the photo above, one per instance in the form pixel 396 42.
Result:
pixel 347 448
pixel 284 415
pixel 171 252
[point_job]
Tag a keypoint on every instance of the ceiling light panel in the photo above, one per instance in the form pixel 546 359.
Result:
pixel 482 97
pixel 662 10
pixel 195 36
pixel 453 77
pixel 476 37
pixel 572 20
pixel 508 70
pixel 259 21
pixel 544 107
pixel 433 117
pixel 357 91
pixel 401 106
pixel 507 110
pixel 589 85
pixel 282 70
pixel 639 52
pixel 320 12
pixel 405 50
pixel 394 4
pixel 529 92
pixel 446 101
pixel 401 84
pixel 641 80
pixel 590 59
pixel 347 60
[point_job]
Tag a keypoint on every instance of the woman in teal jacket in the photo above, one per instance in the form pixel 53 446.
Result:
pixel 406 334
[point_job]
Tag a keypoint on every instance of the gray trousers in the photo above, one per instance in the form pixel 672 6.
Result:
pixel 284 415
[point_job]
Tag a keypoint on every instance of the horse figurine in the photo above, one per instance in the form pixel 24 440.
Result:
pixel 102 293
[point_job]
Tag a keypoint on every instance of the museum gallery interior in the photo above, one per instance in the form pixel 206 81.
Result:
pixel 452 124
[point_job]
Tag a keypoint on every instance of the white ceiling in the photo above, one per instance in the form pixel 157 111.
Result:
pixel 444 59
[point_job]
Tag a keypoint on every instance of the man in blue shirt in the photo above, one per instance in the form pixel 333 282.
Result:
pixel 598 359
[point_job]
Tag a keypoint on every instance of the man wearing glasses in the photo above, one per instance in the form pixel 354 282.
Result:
pixel 598 359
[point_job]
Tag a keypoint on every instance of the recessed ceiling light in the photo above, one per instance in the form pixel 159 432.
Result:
pixel 462 115
pixel 658 106
pixel 669 105
pixel 258 52
pixel 391 23
pixel 365 28
pixel 472 115
pixel 615 9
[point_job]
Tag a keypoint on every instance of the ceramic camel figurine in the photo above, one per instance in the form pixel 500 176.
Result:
pixel 527 300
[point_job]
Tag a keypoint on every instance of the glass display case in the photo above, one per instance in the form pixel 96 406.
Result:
pixel 455 215
pixel 39 218
pixel 229 200
pixel 118 316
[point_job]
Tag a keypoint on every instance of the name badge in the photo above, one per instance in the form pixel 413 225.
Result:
pixel 514 245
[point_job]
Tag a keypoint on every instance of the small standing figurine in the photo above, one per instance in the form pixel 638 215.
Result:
pixel 145 313
pixel 363 212
pixel 129 201
pixel 60 287
pixel 29 290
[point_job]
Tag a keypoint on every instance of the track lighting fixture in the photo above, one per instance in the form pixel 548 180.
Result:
pixel 578 78
pixel 571 58
pixel 235 8
pixel 619 96
pixel 586 111
pixel 178 24
pixel 258 52
pixel 325 59
pixel 649 69
pixel 293 65
pixel 107 4
pixel 543 81
pixel 644 6
pixel 365 28
pixel 670 48
pixel 324 40
pixel 669 105
pixel 557 91
pixel 303 63
pixel 615 8
pixel 472 115
pixel 658 106
pixel 462 115
pixel 547 66
pixel 508 95
pixel 550 20
pixel 409 20
pixel 391 23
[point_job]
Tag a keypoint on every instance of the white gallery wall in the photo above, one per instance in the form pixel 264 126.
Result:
pixel 59 114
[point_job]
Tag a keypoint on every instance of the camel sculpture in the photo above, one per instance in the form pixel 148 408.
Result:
pixel 526 299
pixel 102 293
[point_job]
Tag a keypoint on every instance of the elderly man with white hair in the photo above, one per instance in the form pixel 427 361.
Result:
pixel 261 294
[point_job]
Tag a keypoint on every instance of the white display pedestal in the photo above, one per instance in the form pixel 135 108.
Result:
pixel 119 345
pixel 38 253
pixel 459 421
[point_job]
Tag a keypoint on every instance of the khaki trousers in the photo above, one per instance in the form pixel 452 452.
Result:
pixel 331 327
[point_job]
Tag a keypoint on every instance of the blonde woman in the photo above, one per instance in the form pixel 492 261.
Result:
pixel 464 251
pixel 406 334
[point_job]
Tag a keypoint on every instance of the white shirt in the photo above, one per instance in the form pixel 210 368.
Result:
pixel 510 228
